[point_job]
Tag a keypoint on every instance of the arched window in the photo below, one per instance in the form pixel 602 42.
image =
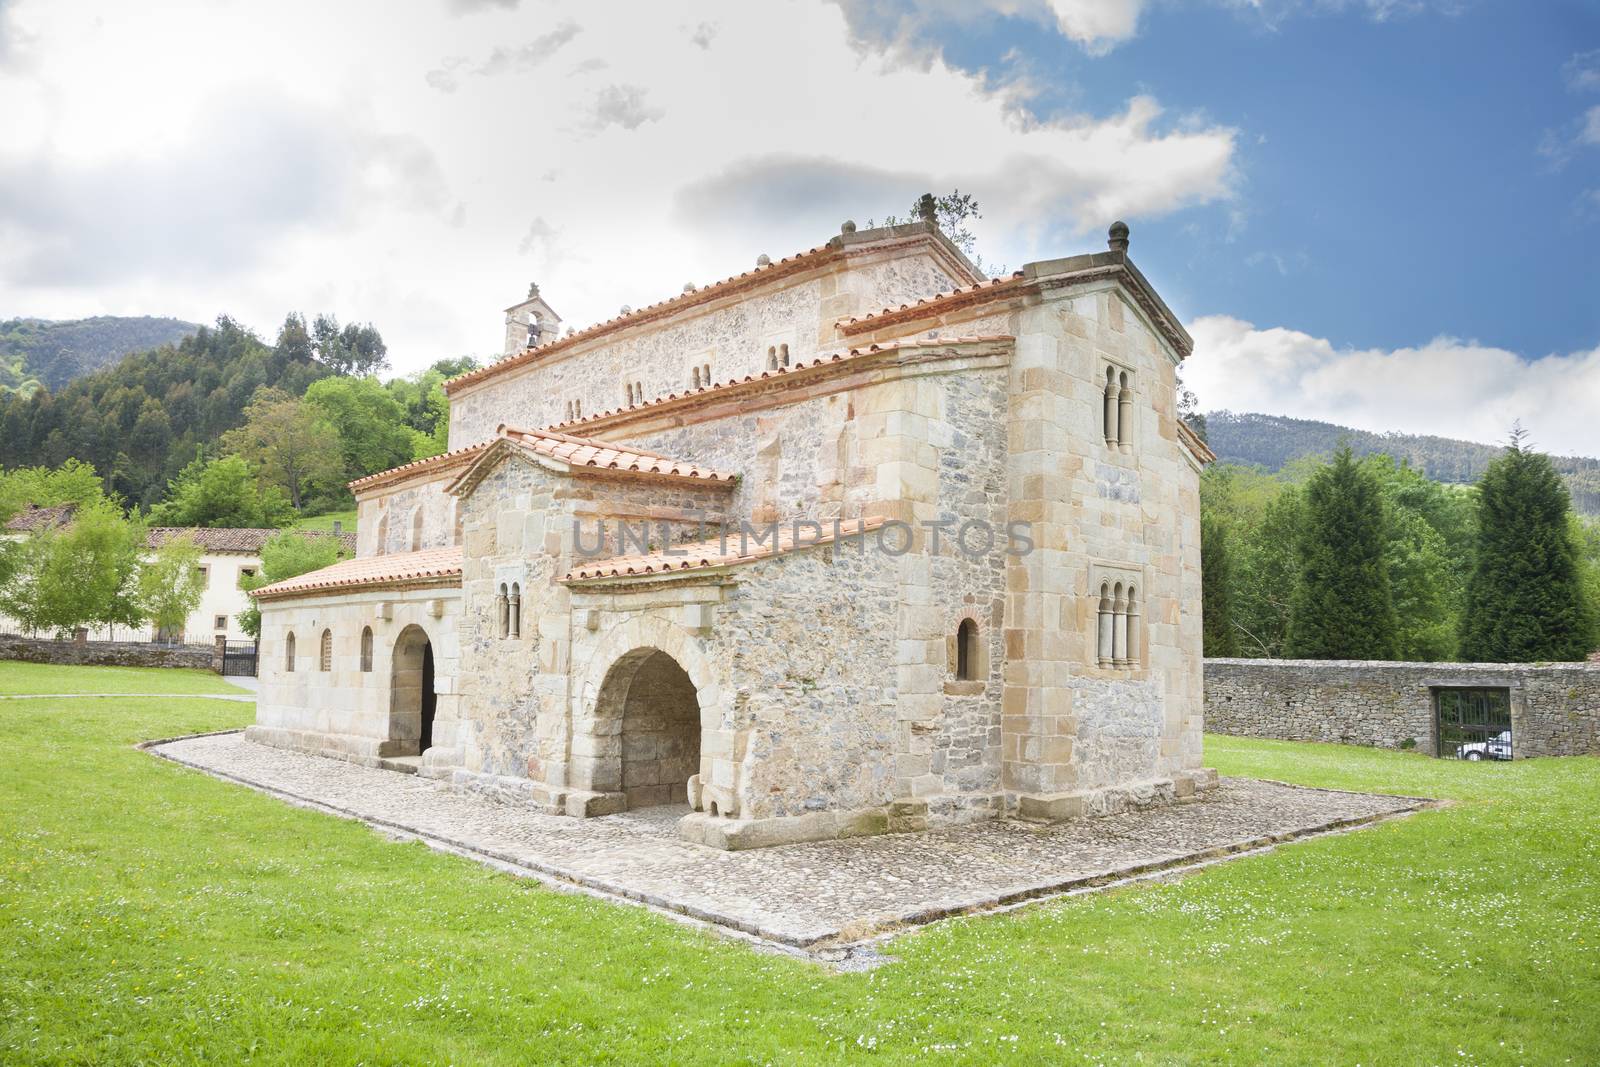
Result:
pixel 783 355
pixel 382 544
pixel 514 609
pixel 627 389
pixel 696 377
pixel 502 604
pixel 416 529
pixel 967 651
pixel 772 357
pixel 638 392
pixel 366 649
pixel 325 663
pixel 705 374
pixel 288 654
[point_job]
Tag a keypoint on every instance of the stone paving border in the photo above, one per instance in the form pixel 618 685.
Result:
pixel 799 897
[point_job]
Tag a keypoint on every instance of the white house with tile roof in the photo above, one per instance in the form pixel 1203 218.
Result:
pixel 227 556
pixel 855 541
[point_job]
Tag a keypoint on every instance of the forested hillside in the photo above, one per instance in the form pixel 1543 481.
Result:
pixel 223 428
pixel 1272 441
pixel 140 421
pixel 35 352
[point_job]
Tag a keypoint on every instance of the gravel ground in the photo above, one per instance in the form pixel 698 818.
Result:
pixel 821 893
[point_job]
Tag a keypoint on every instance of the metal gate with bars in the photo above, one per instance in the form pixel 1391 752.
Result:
pixel 1474 724
pixel 239 659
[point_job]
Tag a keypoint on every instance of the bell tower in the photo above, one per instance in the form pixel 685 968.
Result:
pixel 530 323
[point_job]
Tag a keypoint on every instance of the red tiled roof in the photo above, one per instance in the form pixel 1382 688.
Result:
pixel 930 304
pixel 606 455
pixel 430 566
pixel 406 470
pixel 233 539
pixel 245 539
pixel 715 552
pixel 781 372
pixel 1195 443
pixel 33 517
pixel 778 267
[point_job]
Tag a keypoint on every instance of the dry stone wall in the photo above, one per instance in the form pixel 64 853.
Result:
pixel 106 654
pixel 1555 708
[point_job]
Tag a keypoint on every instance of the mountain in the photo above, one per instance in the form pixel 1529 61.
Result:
pixel 1271 441
pixel 51 353
pixel 141 420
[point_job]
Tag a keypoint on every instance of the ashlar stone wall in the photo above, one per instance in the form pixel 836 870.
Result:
pixel 409 515
pixel 1555 708
pixel 732 336
pixel 346 711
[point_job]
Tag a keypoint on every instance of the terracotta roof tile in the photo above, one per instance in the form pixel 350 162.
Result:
pixel 428 566
pixel 233 539
pixel 609 455
pixel 931 303
pixel 715 552
pixel 246 539
pixel 786 265
pixel 1195 443
pixel 797 368
pixel 33 517
pixel 406 470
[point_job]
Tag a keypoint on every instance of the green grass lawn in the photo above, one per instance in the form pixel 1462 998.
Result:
pixel 18 678
pixel 150 913
pixel 325 522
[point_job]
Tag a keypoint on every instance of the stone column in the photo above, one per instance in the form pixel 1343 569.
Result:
pixel 1104 645
pixel 1133 631
pixel 1119 631
pixel 1125 417
pixel 1111 413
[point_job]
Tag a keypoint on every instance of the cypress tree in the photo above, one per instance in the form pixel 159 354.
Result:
pixel 1216 589
pixel 1342 606
pixel 1525 598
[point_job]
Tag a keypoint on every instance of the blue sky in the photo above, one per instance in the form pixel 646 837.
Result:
pixel 1393 184
pixel 1381 213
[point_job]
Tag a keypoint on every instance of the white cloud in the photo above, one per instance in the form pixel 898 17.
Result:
pixel 1582 71
pixel 1096 25
pixel 321 171
pixel 1449 387
pixel 1589 133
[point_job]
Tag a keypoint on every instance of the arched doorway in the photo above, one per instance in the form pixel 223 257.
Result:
pixel 412 698
pixel 659 729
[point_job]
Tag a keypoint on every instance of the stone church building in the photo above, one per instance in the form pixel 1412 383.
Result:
pixel 856 541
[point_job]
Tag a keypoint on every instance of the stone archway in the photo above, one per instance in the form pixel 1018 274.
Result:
pixel 648 704
pixel 413 699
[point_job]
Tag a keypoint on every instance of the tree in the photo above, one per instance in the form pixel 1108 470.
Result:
pixel 285 556
pixel 170 584
pixel 1525 599
pixel 1216 571
pixel 78 575
pixel 352 350
pixel 373 435
pixel 1429 553
pixel 1343 607
pixel 951 213
pixel 221 492
pixel 289 443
